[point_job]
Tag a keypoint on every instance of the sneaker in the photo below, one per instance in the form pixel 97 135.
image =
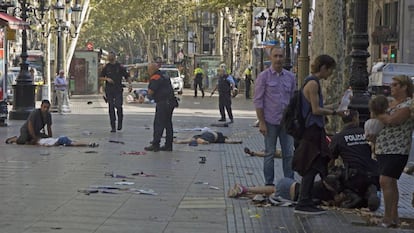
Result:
pixel 248 151
pixel 280 201
pixel 152 148
pixel 222 119
pixel 11 140
pixel 119 126
pixel 113 130
pixel 311 210
pixel 93 144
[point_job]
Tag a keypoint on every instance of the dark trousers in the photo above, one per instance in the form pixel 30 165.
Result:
pixel 163 120
pixel 25 138
pixel 306 186
pixel 115 100
pixel 248 89
pixel 198 82
pixel 225 102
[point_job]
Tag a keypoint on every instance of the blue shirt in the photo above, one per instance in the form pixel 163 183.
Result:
pixel 59 80
pixel 273 92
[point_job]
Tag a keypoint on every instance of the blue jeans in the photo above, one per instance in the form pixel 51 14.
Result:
pixel 286 142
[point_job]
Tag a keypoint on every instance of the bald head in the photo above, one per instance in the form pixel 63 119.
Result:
pixel 152 68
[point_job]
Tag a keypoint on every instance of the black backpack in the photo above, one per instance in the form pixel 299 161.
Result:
pixel 292 120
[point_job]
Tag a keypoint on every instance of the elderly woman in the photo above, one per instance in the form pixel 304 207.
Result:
pixel 393 145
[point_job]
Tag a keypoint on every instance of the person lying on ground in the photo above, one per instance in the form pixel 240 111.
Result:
pixel 59 141
pixel 140 96
pixel 207 137
pixel 278 153
pixel 328 192
pixel 287 188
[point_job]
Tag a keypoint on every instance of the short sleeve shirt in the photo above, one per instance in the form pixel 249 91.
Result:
pixel 161 86
pixel 396 139
pixel 38 120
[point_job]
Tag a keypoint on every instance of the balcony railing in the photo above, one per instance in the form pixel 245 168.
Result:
pixel 384 34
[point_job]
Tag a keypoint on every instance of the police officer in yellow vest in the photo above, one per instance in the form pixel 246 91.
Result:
pixel 198 80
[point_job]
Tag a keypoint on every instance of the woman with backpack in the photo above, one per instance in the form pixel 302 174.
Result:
pixel 312 155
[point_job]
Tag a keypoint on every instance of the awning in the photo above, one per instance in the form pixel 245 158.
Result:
pixel 13 22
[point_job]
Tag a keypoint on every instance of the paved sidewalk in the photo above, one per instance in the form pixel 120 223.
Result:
pixel 40 185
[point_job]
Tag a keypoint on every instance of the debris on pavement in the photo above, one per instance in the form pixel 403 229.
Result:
pixel 143 191
pixel 142 174
pixel 124 183
pixel 116 141
pixel 91 152
pixel 113 175
pixel 213 187
pixel 88 191
pixel 203 159
pixel 92 191
pixel 86 133
pixel 105 187
pixel 201 182
pixel 133 153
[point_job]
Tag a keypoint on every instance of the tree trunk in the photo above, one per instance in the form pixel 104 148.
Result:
pixel 334 46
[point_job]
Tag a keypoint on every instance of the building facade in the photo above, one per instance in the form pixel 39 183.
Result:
pixel 391 31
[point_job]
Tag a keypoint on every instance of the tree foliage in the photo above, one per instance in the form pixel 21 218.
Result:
pixel 139 27
pixel 126 26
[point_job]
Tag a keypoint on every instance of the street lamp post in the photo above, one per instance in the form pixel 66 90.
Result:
pixel 262 25
pixel 63 26
pixel 24 90
pixel 59 13
pixel 288 6
pixel 211 37
pixel 285 22
pixel 359 74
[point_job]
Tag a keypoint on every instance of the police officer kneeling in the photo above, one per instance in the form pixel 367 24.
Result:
pixel 361 176
pixel 163 94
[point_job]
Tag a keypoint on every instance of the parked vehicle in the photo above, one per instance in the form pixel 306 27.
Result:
pixel 177 79
pixel 11 80
pixel 382 74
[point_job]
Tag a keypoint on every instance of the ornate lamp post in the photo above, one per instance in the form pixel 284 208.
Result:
pixel 285 22
pixel 262 24
pixel 359 54
pixel 288 6
pixel 24 90
pixel 63 26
